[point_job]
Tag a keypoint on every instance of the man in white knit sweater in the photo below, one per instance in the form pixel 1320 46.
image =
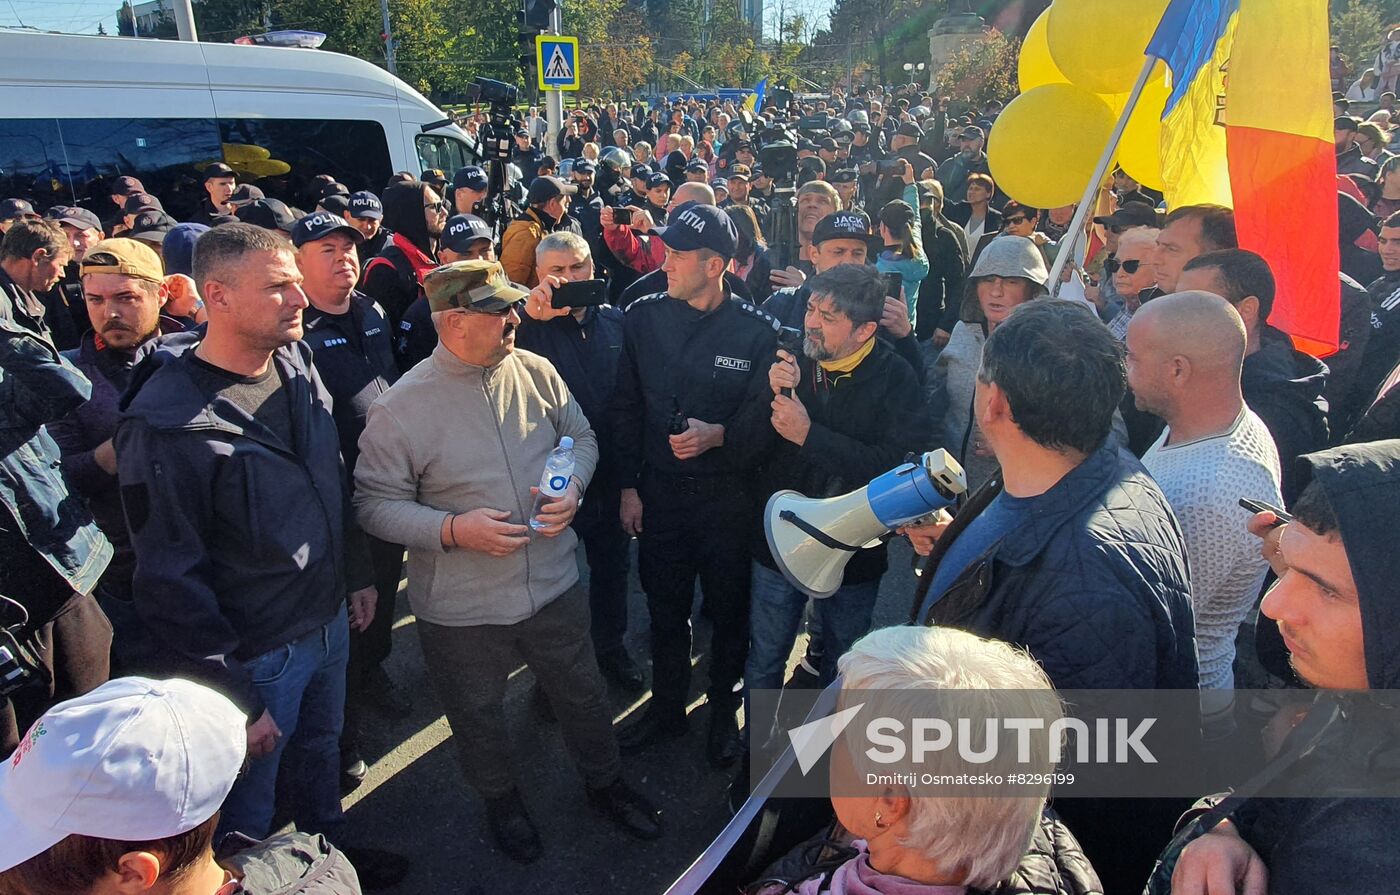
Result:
pixel 1185 353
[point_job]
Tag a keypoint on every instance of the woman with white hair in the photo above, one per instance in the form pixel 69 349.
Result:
pixel 895 837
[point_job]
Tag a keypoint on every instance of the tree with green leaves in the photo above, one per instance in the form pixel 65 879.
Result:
pixel 1357 30
pixel 126 20
pixel 983 69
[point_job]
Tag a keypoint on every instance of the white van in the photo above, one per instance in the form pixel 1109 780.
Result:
pixel 77 111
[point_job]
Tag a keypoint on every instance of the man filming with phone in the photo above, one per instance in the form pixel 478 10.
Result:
pixel 568 321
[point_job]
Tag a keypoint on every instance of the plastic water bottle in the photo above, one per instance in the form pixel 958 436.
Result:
pixel 558 469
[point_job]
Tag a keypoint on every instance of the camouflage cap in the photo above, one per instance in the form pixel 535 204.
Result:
pixel 476 285
pixel 123 256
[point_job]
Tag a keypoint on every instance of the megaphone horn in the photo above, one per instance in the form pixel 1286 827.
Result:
pixel 812 539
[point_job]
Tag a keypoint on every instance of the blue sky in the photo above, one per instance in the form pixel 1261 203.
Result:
pixel 83 16
pixel 74 16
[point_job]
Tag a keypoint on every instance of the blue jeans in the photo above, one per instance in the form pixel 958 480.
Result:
pixel 303 685
pixel 776 613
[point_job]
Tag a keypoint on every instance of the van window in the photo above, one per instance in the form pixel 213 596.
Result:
pixel 443 152
pixel 281 156
pixel 165 153
pixel 31 161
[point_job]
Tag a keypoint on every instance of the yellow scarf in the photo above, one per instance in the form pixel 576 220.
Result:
pixel 847 364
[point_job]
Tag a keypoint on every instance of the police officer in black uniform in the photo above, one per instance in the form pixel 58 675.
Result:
pixel 351 343
pixel 465 237
pixel 688 416
pixel 636 193
pixel 469 188
pixel 526 156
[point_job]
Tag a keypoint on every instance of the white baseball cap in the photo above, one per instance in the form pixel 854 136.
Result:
pixel 134 760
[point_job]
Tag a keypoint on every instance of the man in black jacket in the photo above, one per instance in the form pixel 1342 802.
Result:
pixel 837 239
pixel 1280 383
pixel 124 291
pixel 1335 605
pixel 416 215
pixel 852 413
pixel 689 423
pixel 351 343
pixel 33 255
pixel 941 293
pixel 247 552
pixel 584 345
pixel 1072 551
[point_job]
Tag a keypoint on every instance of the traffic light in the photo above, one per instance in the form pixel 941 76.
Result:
pixel 534 15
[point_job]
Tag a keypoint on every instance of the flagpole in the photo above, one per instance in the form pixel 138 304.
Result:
pixel 1076 226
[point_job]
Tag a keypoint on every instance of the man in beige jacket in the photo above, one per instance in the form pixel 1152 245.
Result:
pixel 448 459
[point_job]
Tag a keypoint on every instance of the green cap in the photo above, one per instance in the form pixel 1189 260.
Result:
pixel 476 285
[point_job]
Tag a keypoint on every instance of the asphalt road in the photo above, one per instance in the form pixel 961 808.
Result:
pixel 415 801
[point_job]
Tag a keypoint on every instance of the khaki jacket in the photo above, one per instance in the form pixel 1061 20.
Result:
pixel 450 437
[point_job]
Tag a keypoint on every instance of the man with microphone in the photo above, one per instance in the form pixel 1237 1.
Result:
pixel 842 414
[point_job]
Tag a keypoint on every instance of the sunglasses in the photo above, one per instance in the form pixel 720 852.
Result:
pixel 1018 219
pixel 1112 266
pixel 502 312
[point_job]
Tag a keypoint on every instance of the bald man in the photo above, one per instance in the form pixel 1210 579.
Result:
pixel 1185 352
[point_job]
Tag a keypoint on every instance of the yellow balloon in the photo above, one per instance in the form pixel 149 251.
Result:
pixel 242 152
pixel 1044 145
pixel 1034 67
pixel 1140 150
pixel 263 167
pixel 1099 44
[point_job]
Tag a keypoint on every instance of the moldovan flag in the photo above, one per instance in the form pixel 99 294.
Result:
pixel 1249 124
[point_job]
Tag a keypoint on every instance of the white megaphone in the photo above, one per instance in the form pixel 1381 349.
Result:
pixel 812 539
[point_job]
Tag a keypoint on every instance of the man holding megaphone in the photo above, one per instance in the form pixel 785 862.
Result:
pixel 845 410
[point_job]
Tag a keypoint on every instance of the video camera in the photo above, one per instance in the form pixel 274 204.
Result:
pixel 496 136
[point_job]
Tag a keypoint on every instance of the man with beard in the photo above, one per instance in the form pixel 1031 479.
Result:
pixel 547 210
pixel 416 214
pixel 970 159
pixel 124 290
pixel 841 415
pixel 844 238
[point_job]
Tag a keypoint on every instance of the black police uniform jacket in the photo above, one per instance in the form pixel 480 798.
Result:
pixel 714 364
pixel 864 423
pixel 354 353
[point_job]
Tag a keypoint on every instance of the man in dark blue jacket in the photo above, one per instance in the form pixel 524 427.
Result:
pixel 1071 551
pixel 239 512
pixel 584 345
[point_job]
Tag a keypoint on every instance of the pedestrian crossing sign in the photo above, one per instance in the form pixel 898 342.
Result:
pixel 556 59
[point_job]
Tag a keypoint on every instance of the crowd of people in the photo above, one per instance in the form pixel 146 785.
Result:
pixel 228 440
